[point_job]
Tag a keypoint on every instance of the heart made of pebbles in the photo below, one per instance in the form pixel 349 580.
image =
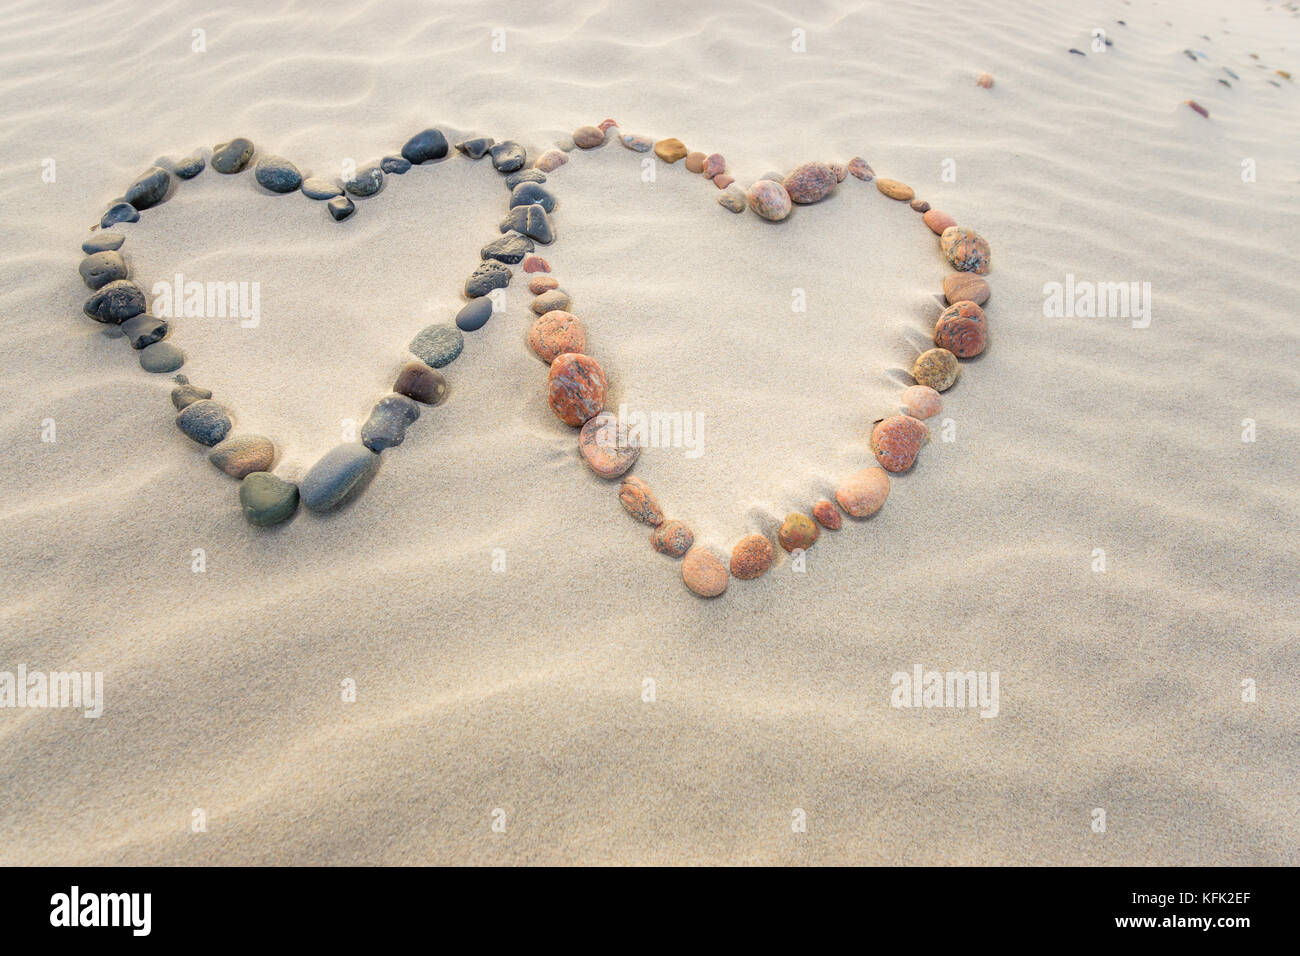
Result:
pixel 576 383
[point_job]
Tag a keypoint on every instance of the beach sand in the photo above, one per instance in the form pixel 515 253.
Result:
pixel 518 695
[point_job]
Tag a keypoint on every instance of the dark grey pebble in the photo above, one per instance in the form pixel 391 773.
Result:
pixel 476 147
pixel 190 166
pixel 525 176
pixel 425 147
pixel 341 473
pixel 119 212
pixel 277 174
pixel 204 421
pixel 116 302
pixel 475 315
pixel 149 189
pixel 386 426
pixel 416 380
pixel 531 221
pixel 161 357
pixel 100 268
pixel 366 181
pixel 103 241
pixel 233 156
pixel 186 394
pixel 266 499
pixel 395 165
pixel 488 276
pixel 507 156
pixel 144 329
pixel 437 345
pixel 314 188
pixel 510 248
pixel 528 194
pixel 341 207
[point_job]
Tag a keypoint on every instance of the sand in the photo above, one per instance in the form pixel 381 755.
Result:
pixel 518 696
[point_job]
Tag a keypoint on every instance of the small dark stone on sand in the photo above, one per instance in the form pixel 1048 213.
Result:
pixel 525 176
pixel 488 276
pixel 395 165
pixel 233 156
pixel 103 241
pixel 100 269
pixel 116 302
pixel 143 330
pixel 477 147
pixel 532 221
pixel 475 315
pixel 528 194
pixel 149 189
pixel 508 156
pixel 341 207
pixel 366 181
pixel 186 394
pixel 510 248
pixel 277 174
pixel 119 212
pixel 425 147
pixel 190 166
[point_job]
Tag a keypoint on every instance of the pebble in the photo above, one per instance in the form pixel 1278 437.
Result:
pixel 714 163
pixel 242 455
pixel 186 394
pixel 576 388
pixel 101 268
pixel 556 333
pixel 1198 108
pixel 190 166
pixel 437 345
pixel 510 248
pixel 984 81
pixel 640 502
pixel 921 401
pixel 920 205
pixel 551 160
pixel 722 180
pixel 565 144
pixel 161 357
pixel 525 176
pixel 341 472
pixel 266 499
pixel 536 264
pixel 542 283
pixel 733 198
pixel 670 150
pixel 606 125
pixel 426 146
pixel 896 190
pixel 859 169
pixel 488 276
pixel 862 493
pixel 397 165
pixel 386 426
pixel 366 181
pixel 551 301
pixel 528 194
pixel 810 183
pixel 316 188
pixel 638 144
pixel 938 221
pixel 751 557
pixel 937 368
pixel 508 156
pixel 204 421
pixel 897 440
pixel 233 156
pixel 604 445
pixel 531 221
pixel 962 330
pixel 672 538
pixel 103 241
pixel 144 330
pixel 840 170
pixel 588 137
pixel 704 573
pixel 119 212
pixel 769 199
pixel 477 147
pixel 418 381
pixel 965 249
pixel 797 532
pixel 116 302
pixel 695 162
pixel 341 207
pixel 827 515
pixel 277 174
pixel 475 315
pixel 149 189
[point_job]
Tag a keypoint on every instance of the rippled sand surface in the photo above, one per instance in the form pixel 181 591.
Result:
pixel 518 695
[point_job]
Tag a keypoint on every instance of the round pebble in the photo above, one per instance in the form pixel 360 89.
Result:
pixel 859 169
pixel 672 538
pixel 418 381
pixel 984 81
pixel 542 283
pixel 640 502
pixel 555 333
pixel 704 573
pixel 921 401
pixel 827 515
pixel 920 205
pixel 638 144
pixel 101 268
pixel 190 166
pixel 315 188
pixel 277 174
pixel 528 194
pixel 714 164
pixel 397 165
pixel 204 421
pixel 149 189
pixel 962 330
pixel 576 388
pixel 233 156
pixel 475 315
pixel 695 162
pixel 551 301
pixel 797 532
pixel 428 145
pixel 862 494
pixel 340 473
pixel 604 445
pixel 242 455
pixel 144 330
pixel 588 137
pixel 810 183
pixel 751 557
pixel 769 199
pixel 536 264
pixel 161 357
pixel 551 160
pixel 437 345
pixel 386 426
pixel 670 150
pixel 366 181
pixel 965 287
pixel 937 368
pixel 896 190
pixel 938 221
pixel 966 250
pixel 266 499
pixel 116 302
pixel 897 440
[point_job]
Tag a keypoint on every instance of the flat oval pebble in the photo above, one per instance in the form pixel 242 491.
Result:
pixel 420 382
pixel 266 499
pixel 670 150
pixel 161 357
pixel 751 557
pixel 797 532
pixel 937 368
pixel 862 494
pixel 704 573
pixel 638 144
pixel 475 315
pixel 144 330
pixel 525 176
pixel 103 241
pixel 437 345
pixel 386 426
pixel 604 445
pixel 965 287
pixel 488 276
pixel 555 333
pixel 588 137
pixel 895 190
pixel 714 163
pixel 732 198
pixel 551 301
pixel 366 181
pixel 542 283
pixel 859 169
pixel 827 515
pixel 101 268
pixel 277 174
pixel 576 388
pixel 242 455
pixel 962 330
pixel 116 302
pixel 672 538
pixel 938 221
pixel 640 502
pixel 769 199
pixel 426 146
pixel 315 188
pixel 190 166
pixel 508 156
pixel 810 183
pixel 921 401
pixel 920 205
pixel 897 440
pixel 476 147
pixel 536 264
pixel 119 212
pixel 510 248
pixel 966 250
pixel 722 181
pixel 695 162
pixel 340 207
pixel 527 194
pixel 149 189
pixel 204 421
pixel 341 472
pixel 186 394
pixel 551 160
pixel 233 156
pixel 397 165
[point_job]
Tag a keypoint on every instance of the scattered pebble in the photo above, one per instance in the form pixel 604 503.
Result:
pixel 921 401
pixel 769 199
pixel 670 150
pixel 984 81
pixel 204 421
pixel 542 283
pixel 672 538
pixel 551 160
pixel 420 382
pixel 475 315
pixel 965 287
pixel 266 499
pixel 149 189
pixel 966 250
pixel 695 162
pixel 896 190
pixel 386 426
pixel 366 181
pixel 640 502
pixel 233 156
pixel 938 221
pixel 116 302
pixel 1198 107
pixel 277 174
pixel 859 169
pixel 536 264
pixel 576 388
pixel 508 156
pixel 863 493
pixel 962 330
pixel 144 330
pixel 341 207
pixel 714 164
pixel 751 557
pixel 426 146
pixel 897 440
pixel 340 473
pixel 315 188
pixel 550 301
pixel 528 194
pixel 103 241
pixel 437 345
pixel 119 212
pixel 477 147
pixel 588 137
pixel 242 455
pixel 190 166
pixel 704 573
pixel 186 394
pixel 488 276
pixel 397 165
pixel 733 198
pixel 827 515
pixel 937 368
pixel 161 357
pixel 101 268
pixel 810 183
pixel 510 248
pixel 555 333
pixel 638 144
pixel 604 445
pixel 797 532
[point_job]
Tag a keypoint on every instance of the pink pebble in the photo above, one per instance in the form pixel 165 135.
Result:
pixel 897 440
pixel 921 401
pixel 722 180
pixel 536 264
pixel 862 494
pixel 551 160
pixel 841 171
pixel 713 165
pixel 859 169
pixel 606 124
